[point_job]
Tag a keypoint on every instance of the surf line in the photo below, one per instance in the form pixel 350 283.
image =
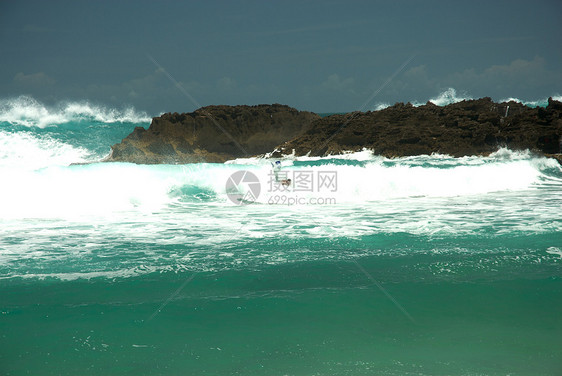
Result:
pixel 383 290
pixel 380 287
pixel 171 297
pixel 178 290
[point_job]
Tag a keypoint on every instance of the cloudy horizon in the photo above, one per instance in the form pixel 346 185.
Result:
pixel 318 56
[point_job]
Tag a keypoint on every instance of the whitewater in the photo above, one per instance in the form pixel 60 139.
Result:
pixel 365 266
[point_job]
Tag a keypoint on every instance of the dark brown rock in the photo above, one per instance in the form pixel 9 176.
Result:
pixel 212 134
pixel 473 127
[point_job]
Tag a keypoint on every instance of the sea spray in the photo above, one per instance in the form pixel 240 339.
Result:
pixel 451 95
pixel 26 111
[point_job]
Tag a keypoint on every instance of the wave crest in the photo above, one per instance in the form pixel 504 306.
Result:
pixel 26 151
pixel 538 103
pixel 451 95
pixel 27 111
pixel 444 98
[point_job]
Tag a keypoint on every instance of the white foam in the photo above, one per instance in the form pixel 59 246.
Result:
pixel 554 251
pixel 381 106
pixel 75 191
pixel 26 111
pixel 23 150
pixel 112 187
pixel 444 98
pixel 363 155
pixel 376 181
pixel 533 103
pixel 449 96
pixel 526 103
pixel 72 276
pixel 419 176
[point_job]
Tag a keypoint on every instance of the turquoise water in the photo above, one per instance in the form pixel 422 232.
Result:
pixel 424 265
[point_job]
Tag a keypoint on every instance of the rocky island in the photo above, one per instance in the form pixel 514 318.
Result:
pixel 212 134
pixel 220 133
pixel 471 127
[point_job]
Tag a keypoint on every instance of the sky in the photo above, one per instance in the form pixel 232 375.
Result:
pixel 321 56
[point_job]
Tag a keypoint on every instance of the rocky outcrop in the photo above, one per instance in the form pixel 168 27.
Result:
pixel 212 134
pixel 220 133
pixel 472 127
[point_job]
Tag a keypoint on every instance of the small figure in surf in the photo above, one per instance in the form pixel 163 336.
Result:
pixel 276 171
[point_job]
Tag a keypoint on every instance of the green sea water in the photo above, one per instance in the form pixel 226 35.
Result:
pixel 426 265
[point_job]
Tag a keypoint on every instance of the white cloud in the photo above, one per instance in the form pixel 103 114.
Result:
pixel 142 91
pixel 33 79
pixel 517 67
pixel 518 75
pixel 334 82
pixel 226 83
pixel 416 72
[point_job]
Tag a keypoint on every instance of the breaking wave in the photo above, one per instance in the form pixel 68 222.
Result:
pixel 536 103
pixel 444 98
pixel 27 111
pixel 452 96
pixel 447 97
pixel 28 151
pixel 359 178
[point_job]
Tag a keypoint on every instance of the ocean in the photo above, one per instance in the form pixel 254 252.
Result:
pixel 426 265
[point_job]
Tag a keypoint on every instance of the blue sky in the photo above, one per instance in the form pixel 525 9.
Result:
pixel 322 56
